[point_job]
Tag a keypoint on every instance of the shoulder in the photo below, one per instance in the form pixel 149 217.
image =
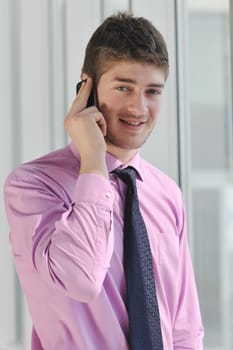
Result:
pixel 50 170
pixel 46 164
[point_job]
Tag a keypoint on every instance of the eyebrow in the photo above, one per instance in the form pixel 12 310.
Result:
pixel 132 81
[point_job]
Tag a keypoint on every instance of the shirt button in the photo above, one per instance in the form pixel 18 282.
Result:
pixel 108 195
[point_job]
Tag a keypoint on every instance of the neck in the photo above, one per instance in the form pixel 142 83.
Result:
pixel 124 155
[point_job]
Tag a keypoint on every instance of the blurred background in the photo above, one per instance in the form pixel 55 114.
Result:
pixel 42 46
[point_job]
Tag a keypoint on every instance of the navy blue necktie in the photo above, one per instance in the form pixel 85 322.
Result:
pixel 142 304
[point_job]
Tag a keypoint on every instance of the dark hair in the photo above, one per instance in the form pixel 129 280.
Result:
pixel 124 37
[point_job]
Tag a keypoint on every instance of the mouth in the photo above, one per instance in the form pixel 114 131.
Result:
pixel 132 123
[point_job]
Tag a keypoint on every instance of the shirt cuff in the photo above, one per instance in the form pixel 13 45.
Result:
pixel 94 188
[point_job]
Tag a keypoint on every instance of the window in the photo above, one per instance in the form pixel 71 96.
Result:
pixel 210 165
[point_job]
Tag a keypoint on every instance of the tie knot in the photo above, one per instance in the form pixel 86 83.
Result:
pixel 128 175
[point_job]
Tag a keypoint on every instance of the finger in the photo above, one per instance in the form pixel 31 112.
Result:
pixel 102 123
pixel 93 113
pixel 80 102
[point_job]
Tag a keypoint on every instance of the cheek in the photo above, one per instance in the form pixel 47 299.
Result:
pixel 109 107
pixel 108 113
pixel 156 109
pixel 154 112
pixel 105 109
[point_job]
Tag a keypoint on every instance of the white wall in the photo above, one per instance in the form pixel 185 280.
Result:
pixel 7 290
pixel 42 45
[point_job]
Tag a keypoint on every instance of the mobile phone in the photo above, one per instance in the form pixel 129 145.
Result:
pixel 91 98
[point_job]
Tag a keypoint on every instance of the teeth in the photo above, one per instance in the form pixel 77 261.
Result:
pixel 132 123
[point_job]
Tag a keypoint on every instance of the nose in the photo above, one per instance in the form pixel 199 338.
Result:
pixel 137 105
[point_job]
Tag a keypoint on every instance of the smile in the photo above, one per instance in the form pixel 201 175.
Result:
pixel 131 123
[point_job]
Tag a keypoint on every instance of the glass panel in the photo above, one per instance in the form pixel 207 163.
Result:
pixel 211 184
pixel 209 89
pixel 207 259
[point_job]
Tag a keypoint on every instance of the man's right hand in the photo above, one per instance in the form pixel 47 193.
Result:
pixel 87 128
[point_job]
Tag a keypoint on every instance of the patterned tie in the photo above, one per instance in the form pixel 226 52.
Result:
pixel 142 304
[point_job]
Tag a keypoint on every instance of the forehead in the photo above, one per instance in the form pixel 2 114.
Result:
pixel 130 69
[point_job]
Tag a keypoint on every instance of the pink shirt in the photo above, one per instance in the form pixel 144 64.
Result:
pixel 66 233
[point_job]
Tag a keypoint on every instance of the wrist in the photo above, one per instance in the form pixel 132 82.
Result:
pixel 95 164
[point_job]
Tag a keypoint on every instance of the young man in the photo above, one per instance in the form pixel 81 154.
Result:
pixel 66 209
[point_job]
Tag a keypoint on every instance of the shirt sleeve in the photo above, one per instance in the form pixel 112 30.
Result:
pixel 187 330
pixel 68 244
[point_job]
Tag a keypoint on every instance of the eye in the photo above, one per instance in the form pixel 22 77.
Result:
pixel 154 91
pixel 122 88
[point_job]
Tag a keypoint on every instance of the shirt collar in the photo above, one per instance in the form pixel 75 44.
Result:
pixel 114 163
